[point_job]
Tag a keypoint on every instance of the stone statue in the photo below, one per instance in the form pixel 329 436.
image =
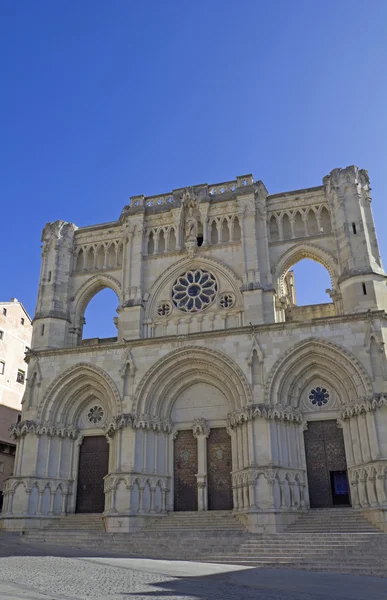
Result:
pixel 191 227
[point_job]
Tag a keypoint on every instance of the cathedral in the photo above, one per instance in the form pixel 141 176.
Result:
pixel 219 392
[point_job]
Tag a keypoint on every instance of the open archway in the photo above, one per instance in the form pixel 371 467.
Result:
pixel 306 279
pixel 100 314
pixel 307 283
pixel 95 308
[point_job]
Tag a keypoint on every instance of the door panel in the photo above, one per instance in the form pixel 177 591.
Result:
pixel 185 470
pixel 219 465
pixel 325 453
pixel 92 468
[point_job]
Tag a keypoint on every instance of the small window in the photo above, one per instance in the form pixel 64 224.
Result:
pixel 49 276
pixel 20 377
pixel 1 467
pixel 364 289
pixel 42 330
pixel 200 240
pixel 354 228
pixel 1 335
pixel 22 321
pixel 4 312
pixel 2 367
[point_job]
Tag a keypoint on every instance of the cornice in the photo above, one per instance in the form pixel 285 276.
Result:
pixel 219 333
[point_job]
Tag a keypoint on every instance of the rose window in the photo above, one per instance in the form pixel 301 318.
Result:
pixel 95 414
pixel 227 301
pixel 194 291
pixel 318 396
pixel 164 309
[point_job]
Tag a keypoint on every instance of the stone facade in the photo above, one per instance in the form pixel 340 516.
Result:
pixel 208 337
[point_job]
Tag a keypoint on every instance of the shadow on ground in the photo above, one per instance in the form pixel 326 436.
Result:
pixel 80 574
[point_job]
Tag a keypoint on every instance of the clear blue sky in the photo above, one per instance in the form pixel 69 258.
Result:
pixel 102 100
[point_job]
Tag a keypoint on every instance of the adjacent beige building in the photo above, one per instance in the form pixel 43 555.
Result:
pixel 15 338
pixel 218 392
pixel 8 417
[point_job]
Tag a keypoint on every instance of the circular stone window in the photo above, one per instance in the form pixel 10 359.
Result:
pixel 226 301
pixel 194 291
pixel 164 309
pixel 318 396
pixel 95 414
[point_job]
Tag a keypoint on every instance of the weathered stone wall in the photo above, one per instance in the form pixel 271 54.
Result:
pixel 207 336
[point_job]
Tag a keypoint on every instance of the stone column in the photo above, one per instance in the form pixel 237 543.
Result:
pixel 201 431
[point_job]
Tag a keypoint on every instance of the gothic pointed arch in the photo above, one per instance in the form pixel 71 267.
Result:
pixel 185 264
pixel 297 253
pixel 179 369
pixel 313 358
pixel 89 289
pixel 72 389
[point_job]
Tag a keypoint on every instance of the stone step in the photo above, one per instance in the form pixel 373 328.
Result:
pixel 339 541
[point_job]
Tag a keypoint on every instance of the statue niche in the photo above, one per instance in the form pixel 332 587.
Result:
pixel 193 230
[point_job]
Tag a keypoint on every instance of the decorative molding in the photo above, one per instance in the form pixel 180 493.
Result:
pixel 262 411
pixel 217 333
pixel 200 427
pixel 363 406
pixel 149 392
pixel 138 422
pixel 56 387
pixel 32 427
pixel 284 364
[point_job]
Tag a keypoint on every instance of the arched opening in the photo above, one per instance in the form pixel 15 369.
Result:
pixel 312 223
pixel 101 257
pixel 119 255
pixel 325 221
pixel 214 233
pixel 172 240
pixel 299 229
pixel 100 314
pixel 199 237
pixel 111 259
pixel 225 231
pixel 286 227
pixel 80 259
pixel 161 246
pixel 273 229
pixel 305 287
pixel 90 258
pixel 151 243
pixel 236 234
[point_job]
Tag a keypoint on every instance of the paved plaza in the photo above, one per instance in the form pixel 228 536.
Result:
pixel 53 573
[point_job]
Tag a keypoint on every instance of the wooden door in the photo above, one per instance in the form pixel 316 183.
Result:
pixel 185 470
pixel 219 465
pixel 325 455
pixel 92 468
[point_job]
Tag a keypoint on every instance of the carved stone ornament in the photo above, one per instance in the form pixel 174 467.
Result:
pixel 200 427
pixel 191 227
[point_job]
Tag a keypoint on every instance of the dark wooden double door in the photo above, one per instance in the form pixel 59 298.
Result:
pixel 92 467
pixel 326 464
pixel 219 465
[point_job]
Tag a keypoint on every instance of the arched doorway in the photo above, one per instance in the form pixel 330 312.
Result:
pixel 317 379
pixel 195 389
pixel 202 458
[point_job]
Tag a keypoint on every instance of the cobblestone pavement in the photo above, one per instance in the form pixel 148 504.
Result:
pixel 48 573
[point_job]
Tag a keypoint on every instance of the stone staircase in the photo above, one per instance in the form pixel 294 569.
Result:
pixel 333 540
pixel 89 522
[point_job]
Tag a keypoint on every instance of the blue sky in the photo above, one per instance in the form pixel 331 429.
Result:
pixel 105 100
